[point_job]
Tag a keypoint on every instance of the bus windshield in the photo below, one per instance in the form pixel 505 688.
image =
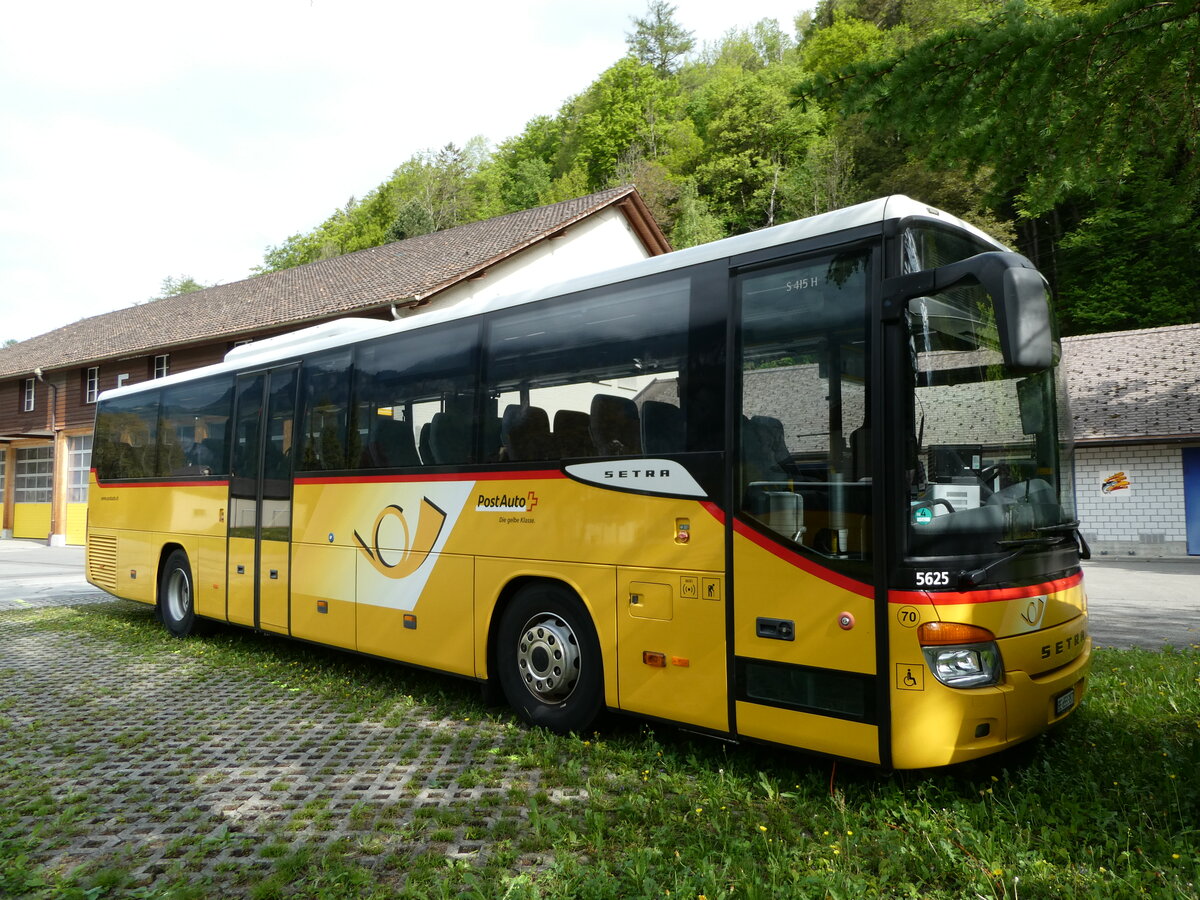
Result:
pixel 992 459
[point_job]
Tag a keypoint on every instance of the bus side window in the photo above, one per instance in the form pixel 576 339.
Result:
pixel 192 433
pixel 592 375
pixel 325 390
pixel 127 436
pixel 805 426
pixel 391 443
pixel 414 399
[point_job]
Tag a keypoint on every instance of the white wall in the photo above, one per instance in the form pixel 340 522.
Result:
pixel 1147 517
pixel 602 241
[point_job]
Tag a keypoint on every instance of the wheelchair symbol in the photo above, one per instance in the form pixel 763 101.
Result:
pixel 910 677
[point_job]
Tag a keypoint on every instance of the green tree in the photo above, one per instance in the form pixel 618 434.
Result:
pixel 184 284
pixel 654 182
pixel 752 136
pixel 433 191
pixel 521 170
pixel 296 250
pixel 628 108
pixel 570 184
pixel 657 40
pixel 762 45
pixel 428 192
pixel 694 222
pixel 1056 104
pixel 1080 121
pixel 1131 263
pixel 846 42
pixel 824 179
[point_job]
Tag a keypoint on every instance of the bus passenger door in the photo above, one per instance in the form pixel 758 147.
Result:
pixel 260 499
pixel 805 664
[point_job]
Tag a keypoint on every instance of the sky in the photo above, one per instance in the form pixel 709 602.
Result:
pixel 146 140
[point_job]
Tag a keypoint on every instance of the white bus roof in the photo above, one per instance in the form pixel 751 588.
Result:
pixel 348 330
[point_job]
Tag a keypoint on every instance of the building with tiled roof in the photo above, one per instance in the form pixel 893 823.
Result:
pixel 403 275
pixel 1128 386
pixel 1135 402
pixel 49 383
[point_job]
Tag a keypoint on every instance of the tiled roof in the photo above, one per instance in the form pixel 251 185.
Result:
pixel 1126 385
pixel 401 272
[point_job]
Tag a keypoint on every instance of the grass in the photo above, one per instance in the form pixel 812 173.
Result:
pixel 1106 806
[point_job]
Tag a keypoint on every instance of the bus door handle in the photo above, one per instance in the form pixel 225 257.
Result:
pixel 775 629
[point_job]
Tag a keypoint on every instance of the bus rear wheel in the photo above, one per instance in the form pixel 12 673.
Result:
pixel 548 659
pixel 176 603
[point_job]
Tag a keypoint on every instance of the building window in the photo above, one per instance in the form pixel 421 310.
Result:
pixel 79 466
pixel 91 384
pixel 34 475
pixel 3 463
pixel 160 366
pixel 27 397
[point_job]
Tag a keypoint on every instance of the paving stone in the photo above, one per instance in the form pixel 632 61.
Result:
pixel 174 767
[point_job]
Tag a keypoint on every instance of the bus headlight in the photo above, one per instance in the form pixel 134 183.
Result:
pixel 961 656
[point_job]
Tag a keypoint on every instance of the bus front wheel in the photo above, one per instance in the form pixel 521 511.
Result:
pixel 548 659
pixel 176 603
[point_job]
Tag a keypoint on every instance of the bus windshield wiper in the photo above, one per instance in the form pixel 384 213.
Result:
pixel 969 578
pixel 1085 552
pixel 1061 526
pixel 1026 543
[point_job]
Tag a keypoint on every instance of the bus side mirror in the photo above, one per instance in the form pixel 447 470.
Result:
pixel 1018 293
pixel 1023 320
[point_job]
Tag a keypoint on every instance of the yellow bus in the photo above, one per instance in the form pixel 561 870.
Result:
pixel 808 486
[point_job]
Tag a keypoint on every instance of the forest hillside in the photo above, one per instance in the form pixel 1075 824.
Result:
pixel 1067 128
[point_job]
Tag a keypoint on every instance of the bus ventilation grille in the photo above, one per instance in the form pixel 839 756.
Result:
pixel 102 561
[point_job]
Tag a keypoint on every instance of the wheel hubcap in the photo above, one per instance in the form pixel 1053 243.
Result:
pixel 548 658
pixel 179 595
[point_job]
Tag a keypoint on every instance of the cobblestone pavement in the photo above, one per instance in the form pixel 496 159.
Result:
pixel 56 599
pixel 173 768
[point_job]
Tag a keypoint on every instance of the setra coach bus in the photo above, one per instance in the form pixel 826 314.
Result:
pixel 809 486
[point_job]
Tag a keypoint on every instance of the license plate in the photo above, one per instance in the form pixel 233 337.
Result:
pixel 1064 701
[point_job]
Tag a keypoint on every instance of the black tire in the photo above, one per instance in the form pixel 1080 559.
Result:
pixel 176 598
pixel 548 659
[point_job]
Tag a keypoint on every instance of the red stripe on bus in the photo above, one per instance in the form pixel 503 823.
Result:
pixel 539 475
pixel 160 484
pixel 793 558
pixel 996 595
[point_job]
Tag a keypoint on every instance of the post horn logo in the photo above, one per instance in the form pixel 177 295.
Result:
pixel 414 551
pixel 1032 614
